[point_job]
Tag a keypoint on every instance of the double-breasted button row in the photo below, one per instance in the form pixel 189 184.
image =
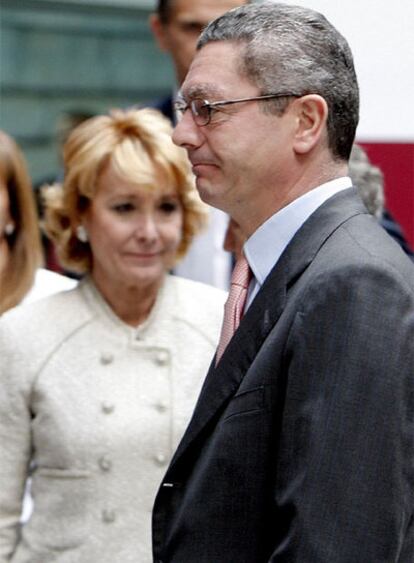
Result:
pixel 160 357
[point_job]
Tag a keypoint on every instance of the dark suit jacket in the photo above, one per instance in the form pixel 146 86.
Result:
pixel 300 448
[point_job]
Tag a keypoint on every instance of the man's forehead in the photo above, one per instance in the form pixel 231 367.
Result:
pixel 214 71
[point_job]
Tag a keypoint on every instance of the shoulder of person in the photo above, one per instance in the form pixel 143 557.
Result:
pixel 39 326
pixel 47 283
pixel 193 292
pixel 32 333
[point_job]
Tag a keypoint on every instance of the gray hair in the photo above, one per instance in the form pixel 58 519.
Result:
pixel 368 179
pixel 296 49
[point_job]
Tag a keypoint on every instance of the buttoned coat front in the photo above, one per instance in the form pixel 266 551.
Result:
pixel 97 407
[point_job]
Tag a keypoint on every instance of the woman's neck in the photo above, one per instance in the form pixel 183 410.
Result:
pixel 132 304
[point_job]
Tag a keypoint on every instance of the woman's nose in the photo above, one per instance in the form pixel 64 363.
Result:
pixel 146 228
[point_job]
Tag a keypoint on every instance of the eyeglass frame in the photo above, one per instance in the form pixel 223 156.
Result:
pixel 181 106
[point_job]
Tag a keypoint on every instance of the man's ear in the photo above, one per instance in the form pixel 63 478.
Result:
pixel 158 30
pixel 311 115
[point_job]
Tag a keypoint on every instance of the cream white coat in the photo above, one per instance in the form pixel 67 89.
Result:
pixel 97 407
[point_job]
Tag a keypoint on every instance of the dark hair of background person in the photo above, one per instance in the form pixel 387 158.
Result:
pixel 163 9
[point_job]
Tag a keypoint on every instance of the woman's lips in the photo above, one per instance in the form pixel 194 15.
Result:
pixel 143 255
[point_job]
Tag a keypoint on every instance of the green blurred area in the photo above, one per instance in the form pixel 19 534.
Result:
pixel 60 57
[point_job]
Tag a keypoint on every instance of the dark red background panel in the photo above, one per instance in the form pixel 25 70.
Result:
pixel 396 161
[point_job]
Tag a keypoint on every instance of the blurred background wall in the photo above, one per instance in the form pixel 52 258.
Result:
pixel 62 56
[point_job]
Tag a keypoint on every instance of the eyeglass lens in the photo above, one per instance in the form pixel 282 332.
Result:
pixel 200 111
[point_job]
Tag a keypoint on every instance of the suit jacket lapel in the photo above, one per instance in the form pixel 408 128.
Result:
pixel 222 381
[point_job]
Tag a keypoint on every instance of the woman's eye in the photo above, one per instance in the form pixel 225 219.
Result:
pixel 168 206
pixel 123 207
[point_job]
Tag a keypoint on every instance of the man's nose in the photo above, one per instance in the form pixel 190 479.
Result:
pixel 186 133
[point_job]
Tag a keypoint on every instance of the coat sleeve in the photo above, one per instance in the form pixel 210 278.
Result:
pixel 345 476
pixel 15 441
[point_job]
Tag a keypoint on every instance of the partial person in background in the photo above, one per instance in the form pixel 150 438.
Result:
pixel 21 275
pixel 396 232
pixel 176 26
pixel 369 180
pixel 98 384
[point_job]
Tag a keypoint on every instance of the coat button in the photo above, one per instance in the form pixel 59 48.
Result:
pixel 106 358
pixel 161 358
pixel 161 406
pixel 105 463
pixel 160 459
pixel 107 407
pixel 108 516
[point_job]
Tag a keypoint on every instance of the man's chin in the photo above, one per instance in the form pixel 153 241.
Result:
pixel 208 192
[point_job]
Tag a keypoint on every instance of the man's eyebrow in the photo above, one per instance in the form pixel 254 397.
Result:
pixel 189 20
pixel 204 91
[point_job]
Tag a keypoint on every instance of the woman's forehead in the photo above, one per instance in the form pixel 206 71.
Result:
pixel 130 181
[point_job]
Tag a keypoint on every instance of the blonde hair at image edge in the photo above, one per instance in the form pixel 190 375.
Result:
pixel 25 251
pixel 138 143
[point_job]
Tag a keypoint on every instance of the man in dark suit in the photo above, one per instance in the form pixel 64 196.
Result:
pixel 300 448
pixel 176 25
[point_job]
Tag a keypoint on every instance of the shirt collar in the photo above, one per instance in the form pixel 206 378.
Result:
pixel 264 248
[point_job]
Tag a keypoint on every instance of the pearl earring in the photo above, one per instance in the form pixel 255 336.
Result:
pixel 81 233
pixel 9 229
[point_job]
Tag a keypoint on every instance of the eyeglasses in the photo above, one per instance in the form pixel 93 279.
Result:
pixel 202 110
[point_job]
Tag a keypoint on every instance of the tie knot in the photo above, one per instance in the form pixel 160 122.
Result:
pixel 241 274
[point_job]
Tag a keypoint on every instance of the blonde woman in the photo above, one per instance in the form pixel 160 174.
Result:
pixel 101 381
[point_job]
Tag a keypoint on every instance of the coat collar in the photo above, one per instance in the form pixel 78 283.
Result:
pixel 222 381
pixel 152 329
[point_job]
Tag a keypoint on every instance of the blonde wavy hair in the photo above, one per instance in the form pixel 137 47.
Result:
pixel 25 250
pixel 137 142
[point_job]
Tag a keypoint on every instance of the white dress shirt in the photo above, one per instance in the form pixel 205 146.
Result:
pixel 280 228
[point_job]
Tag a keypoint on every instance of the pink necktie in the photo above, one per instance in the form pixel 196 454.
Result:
pixel 233 309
